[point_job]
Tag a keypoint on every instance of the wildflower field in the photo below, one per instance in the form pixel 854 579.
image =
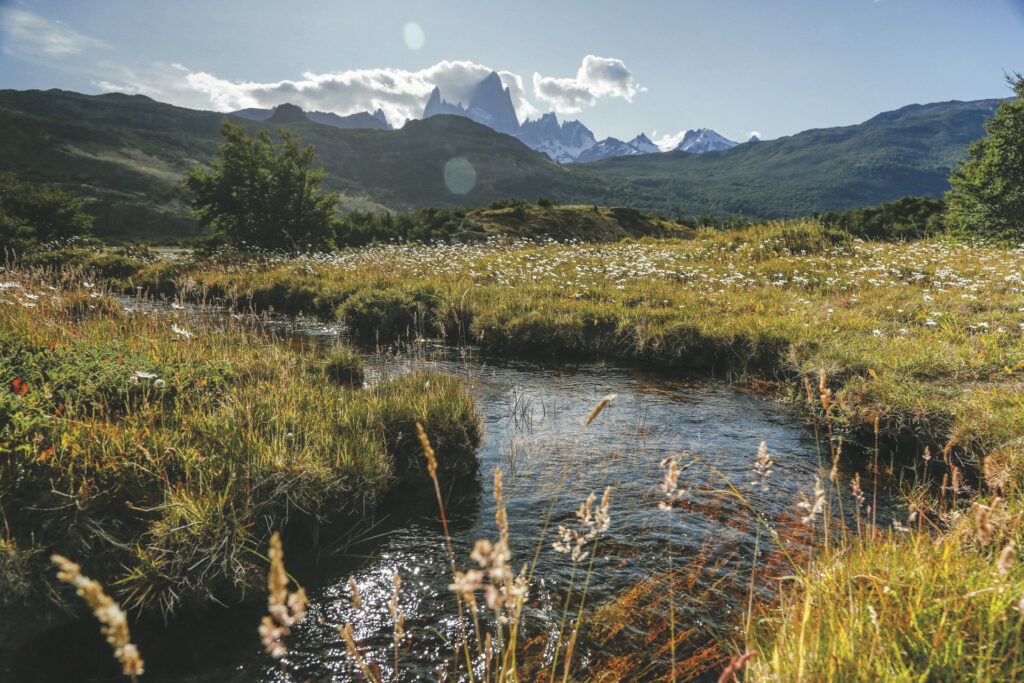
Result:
pixel 906 356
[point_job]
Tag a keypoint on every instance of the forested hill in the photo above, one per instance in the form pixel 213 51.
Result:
pixel 908 151
pixel 127 155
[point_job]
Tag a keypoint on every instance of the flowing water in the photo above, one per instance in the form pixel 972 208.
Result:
pixel 533 418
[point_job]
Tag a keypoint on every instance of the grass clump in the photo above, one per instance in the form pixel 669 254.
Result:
pixel 163 451
pixel 341 365
pixel 906 606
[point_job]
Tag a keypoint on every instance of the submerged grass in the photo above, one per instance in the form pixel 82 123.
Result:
pixel 163 451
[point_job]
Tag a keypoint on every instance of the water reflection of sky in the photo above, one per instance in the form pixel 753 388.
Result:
pixel 533 429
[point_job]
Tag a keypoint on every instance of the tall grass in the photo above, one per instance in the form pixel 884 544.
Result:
pixel 162 448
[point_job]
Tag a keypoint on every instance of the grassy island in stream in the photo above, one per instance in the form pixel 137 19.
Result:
pixel 162 452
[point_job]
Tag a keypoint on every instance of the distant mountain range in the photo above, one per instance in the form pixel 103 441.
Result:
pixel 490 103
pixel 361 120
pixel 127 154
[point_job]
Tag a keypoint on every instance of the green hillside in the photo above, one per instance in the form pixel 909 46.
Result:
pixel 127 154
pixel 905 152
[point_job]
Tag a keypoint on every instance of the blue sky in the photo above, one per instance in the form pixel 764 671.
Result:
pixel 621 67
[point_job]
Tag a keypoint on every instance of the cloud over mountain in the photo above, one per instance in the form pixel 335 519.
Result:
pixel 597 77
pixel 399 93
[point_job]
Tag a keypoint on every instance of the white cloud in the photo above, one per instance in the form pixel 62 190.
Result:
pixel 753 133
pixel 668 142
pixel 31 36
pixel 597 77
pixel 401 94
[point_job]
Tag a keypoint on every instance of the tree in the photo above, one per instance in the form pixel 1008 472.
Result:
pixel 31 215
pixel 264 195
pixel 987 195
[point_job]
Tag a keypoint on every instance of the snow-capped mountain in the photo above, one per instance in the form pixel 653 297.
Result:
pixel 562 142
pixel 489 104
pixel 643 144
pixel 703 140
pixel 609 147
pixel 613 147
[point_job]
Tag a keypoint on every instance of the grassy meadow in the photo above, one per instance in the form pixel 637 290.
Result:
pixel 907 356
pixel 161 452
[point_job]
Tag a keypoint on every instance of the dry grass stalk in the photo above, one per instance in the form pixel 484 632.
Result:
pixel 286 609
pixel 983 523
pixel 598 408
pixel 113 618
pixel 1005 561
pixel 428 450
pixel 815 508
pixel 736 664
pixel 346 633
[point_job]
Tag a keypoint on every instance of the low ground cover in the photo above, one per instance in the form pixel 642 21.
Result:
pixel 162 452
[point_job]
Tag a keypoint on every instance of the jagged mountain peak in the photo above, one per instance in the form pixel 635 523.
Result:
pixel 643 144
pixel 702 140
pixel 489 103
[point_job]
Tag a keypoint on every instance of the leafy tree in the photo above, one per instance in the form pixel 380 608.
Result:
pixel 264 195
pixel 32 214
pixel 987 197
pixel 906 218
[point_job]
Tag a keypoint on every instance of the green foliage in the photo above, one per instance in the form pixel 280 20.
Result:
pixel 908 218
pixel 32 214
pixel 544 202
pixel 426 225
pixel 987 195
pixel 906 152
pixel 507 204
pixel 264 195
pixel 382 314
pixel 344 366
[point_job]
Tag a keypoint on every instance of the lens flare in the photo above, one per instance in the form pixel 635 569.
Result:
pixel 459 175
pixel 413 35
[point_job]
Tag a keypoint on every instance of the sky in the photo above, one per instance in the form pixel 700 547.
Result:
pixel 654 66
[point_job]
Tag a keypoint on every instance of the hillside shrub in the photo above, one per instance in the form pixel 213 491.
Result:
pixel 32 215
pixel 905 219
pixel 987 195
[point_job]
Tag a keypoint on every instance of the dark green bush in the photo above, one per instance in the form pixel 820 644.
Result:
pixel 344 366
pixel 905 219
pixel 31 215
pixel 382 315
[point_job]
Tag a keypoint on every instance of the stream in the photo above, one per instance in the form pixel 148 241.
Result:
pixel 533 430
